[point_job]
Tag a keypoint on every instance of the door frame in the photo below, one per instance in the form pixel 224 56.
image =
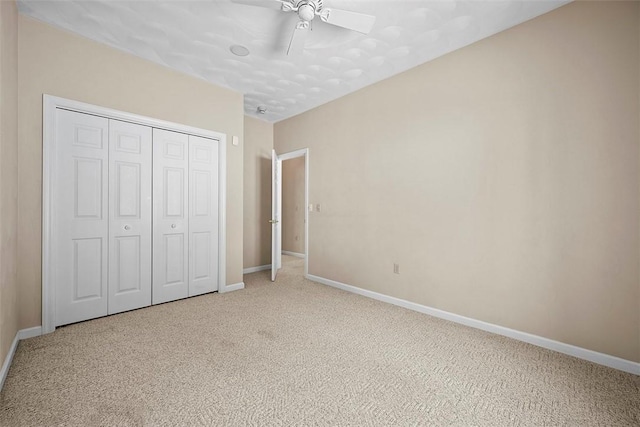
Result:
pixel 303 152
pixel 49 105
pixel 276 214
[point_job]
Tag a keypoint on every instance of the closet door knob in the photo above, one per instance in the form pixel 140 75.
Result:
pixel 127 227
pixel 173 226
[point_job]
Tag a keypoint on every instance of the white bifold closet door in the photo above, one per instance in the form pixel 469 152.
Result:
pixel 130 216
pixel 81 218
pixel 185 215
pixel 102 217
pixel 203 215
pixel 170 216
pixel 135 216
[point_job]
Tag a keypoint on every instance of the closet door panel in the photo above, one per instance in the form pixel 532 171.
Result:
pixel 203 215
pixel 170 216
pixel 130 216
pixel 80 222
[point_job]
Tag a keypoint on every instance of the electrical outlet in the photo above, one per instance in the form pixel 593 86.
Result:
pixel 396 268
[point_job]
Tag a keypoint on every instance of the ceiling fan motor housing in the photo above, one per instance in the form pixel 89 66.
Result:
pixel 307 9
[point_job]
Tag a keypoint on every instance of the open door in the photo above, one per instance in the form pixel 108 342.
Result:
pixel 276 214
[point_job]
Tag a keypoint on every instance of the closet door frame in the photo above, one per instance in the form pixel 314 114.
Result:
pixel 49 180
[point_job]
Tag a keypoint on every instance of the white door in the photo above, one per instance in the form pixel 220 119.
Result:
pixel 203 215
pixel 276 214
pixel 130 216
pixel 170 216
pixel 81 218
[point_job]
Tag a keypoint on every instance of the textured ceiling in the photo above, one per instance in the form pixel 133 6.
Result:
pixel 194 37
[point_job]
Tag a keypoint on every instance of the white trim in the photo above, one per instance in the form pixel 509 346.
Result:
pixel 293 154
pixel 256 269
pixel 306 211
pixel 234 287
pixel 22 334
pixel 222 216
pixel 81 107
pixel 295 254
pixel 49 105
pixel 7 360
pixel 571 350
pixel 48 171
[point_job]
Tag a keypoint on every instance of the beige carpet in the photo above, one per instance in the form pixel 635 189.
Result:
pixel 299 353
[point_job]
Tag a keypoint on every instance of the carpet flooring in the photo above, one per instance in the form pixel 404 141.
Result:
pixel 300 353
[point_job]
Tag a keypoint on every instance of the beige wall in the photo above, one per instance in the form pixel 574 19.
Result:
pixel 258 143
pixel 502 177
pixel 58 63
pixel 8 175
pixel 293 205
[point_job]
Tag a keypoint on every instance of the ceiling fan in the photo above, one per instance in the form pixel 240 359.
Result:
pixel 309 9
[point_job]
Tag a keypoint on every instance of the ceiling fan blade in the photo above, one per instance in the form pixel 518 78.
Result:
pixel 352 20
pixel 269 4
pixel 298 38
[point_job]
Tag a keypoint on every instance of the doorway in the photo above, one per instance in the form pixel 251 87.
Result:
pixel 290 213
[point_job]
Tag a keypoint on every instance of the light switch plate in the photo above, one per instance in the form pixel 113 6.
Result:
pixel 235 141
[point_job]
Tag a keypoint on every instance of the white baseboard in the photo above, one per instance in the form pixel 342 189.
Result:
pixel 36 331
pixel 256 269
pixel 571 350
pixel 234 287
pixel 295 254
pixel 7 360
pixel 20 335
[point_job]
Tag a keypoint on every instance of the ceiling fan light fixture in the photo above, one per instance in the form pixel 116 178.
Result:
pixel 239 50
pixel 306 12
